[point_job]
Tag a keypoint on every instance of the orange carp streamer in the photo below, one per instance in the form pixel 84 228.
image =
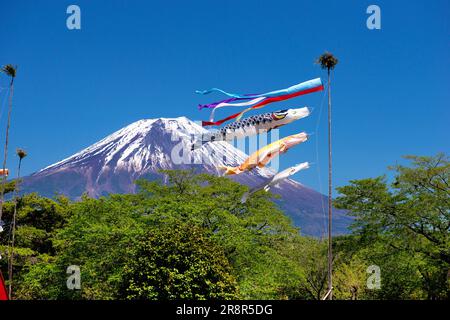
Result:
pixel 4 172
pixel 263 156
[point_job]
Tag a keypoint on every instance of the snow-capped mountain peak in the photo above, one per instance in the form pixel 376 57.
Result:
pixel 151 144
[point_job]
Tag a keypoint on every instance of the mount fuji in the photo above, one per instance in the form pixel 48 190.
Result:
pixel 144 147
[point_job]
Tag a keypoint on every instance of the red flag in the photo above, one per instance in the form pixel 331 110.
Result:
pixel 3 293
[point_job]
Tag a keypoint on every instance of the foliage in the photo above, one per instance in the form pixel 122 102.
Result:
pixel 21 153
pixel 247 232
pixel 178 262
pixel 9 70
pixel 188 236
pixel 237 246
pixel 404 227
pixel 38 220
pixel 9 186
pixel 327 61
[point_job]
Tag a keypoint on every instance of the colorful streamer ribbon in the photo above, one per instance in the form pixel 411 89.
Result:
pixel 256 101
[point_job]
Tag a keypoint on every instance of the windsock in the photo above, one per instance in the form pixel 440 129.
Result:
pixel 276 179
pixel 253 125
pixel 261 157
pixel 255 101
pixel 4 172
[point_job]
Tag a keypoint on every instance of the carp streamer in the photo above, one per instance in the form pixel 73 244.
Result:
pixel 256 101
pixel 276 179
pixel 252 126
pixel 261 157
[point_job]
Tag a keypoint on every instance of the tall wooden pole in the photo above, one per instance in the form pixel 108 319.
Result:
pixel 330 204
pixel 328 61
pixel 2 192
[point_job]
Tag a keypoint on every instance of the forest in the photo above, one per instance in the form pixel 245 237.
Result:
pixel 192 238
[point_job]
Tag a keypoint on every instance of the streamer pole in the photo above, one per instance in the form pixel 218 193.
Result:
pixel 328 61
pixel 330 201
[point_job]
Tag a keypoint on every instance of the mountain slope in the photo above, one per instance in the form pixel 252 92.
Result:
pixel 146 146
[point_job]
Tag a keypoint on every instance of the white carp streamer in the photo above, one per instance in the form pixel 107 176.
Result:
pixel 276 179
pixel 254 125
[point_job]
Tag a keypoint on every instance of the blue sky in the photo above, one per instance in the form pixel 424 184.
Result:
pixel 144 59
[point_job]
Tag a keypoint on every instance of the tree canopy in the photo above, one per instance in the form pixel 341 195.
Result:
pixel 188 236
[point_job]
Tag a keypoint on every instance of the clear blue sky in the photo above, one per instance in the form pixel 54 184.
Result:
pixel 144 59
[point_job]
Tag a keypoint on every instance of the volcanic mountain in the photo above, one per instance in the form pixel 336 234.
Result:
pixel 144 147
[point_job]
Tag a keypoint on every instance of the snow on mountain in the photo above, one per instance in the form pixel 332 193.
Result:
pixel 142 148
pixel 144 145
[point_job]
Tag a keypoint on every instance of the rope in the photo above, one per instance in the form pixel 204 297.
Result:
pixel 3 103
pixel 317 159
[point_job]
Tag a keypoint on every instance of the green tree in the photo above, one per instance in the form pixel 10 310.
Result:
pixel 96 238
pixel 250 233
pixel 191 229
pixel 406 225
pixel 350 277
pixel 178 262
pixel 37 220
pixel 21 154
pixel 313 258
